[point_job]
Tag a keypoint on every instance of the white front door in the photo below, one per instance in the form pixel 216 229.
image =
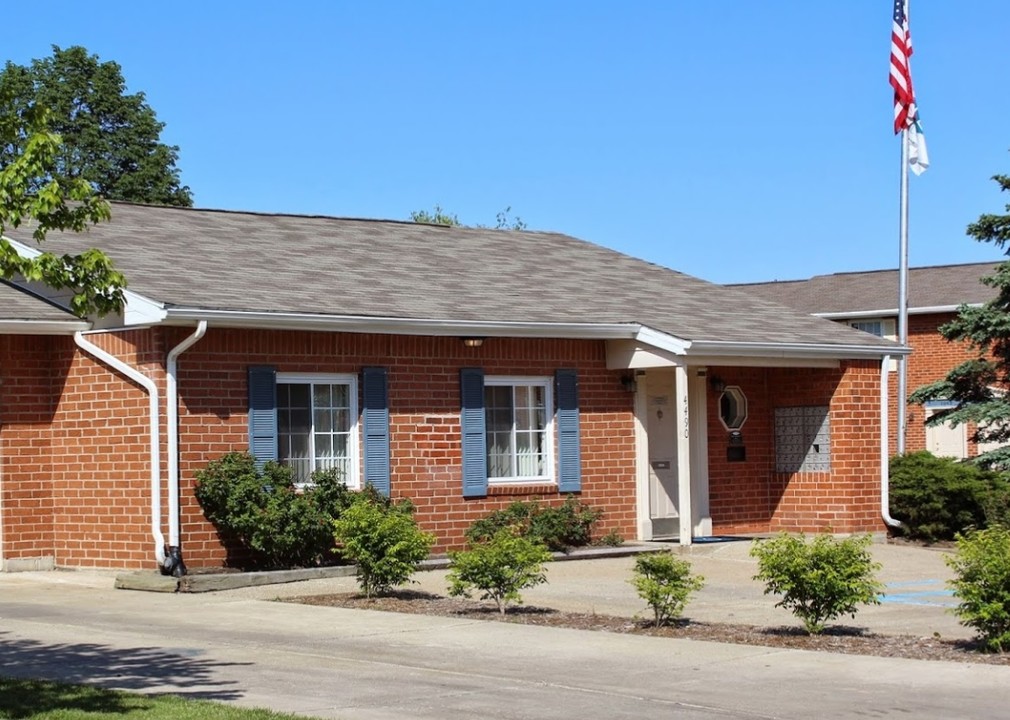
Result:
pixel 661 429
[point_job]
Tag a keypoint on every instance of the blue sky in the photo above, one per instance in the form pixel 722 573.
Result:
pixel 737 141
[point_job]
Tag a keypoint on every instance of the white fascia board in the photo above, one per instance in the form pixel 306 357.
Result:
pixel 794 350
pixel 890 312
pixel 137 311
pixel 42 327
pixel 400 326
pixel 663 341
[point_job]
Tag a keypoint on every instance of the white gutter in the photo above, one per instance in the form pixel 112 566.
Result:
pixel 794 350
pixel 885 480
pixel 172 414
pixel 402 326
pixel 42 327
pixel 152 392
pixel 928 310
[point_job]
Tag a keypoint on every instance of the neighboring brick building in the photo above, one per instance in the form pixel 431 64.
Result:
pixel 868 301
pixel 462 368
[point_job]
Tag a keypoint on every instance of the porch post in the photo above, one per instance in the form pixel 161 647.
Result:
pixel 683 455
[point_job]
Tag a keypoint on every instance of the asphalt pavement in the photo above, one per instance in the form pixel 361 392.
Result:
pixel 239 647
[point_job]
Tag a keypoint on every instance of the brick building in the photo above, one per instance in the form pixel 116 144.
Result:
pixel 462 368
pixel 868 301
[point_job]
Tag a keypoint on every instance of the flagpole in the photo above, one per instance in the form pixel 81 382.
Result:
pixel 903 296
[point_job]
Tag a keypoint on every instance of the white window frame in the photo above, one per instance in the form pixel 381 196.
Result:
pixel 353 478
pixel 547 384
pixel 742 405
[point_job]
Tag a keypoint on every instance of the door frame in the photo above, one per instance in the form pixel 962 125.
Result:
pixel 692 453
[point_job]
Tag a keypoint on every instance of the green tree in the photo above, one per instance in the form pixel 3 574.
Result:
pixel 504 220
pixel 111 138
pixel 31 195
pixel 978 385
pixel 438 216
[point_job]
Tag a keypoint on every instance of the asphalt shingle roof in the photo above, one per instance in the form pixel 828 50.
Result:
pixel 222 260
pixel 861 292
pixel 18 305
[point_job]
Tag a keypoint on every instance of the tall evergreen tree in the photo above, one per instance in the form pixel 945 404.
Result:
pixel 981 386
pixel 111 138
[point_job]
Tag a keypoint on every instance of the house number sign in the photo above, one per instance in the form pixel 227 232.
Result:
pixel 686 423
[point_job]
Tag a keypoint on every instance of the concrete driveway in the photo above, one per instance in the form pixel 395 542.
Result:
pixel 326 662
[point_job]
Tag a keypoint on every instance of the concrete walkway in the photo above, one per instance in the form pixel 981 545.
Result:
pixel 335 663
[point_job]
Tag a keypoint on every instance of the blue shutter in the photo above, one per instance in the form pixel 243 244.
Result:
pixel 472 423
pixel 375 415
pixel 566 384
pixel 263 414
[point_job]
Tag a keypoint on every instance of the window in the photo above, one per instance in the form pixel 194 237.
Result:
pixel 317 424
pixel 519 429
pixel 517 414
pixel 881 327
pixel 733 408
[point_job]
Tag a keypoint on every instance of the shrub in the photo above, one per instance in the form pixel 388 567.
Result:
pixel 278 524
pixel 665 583
pixel 559 528
pixel 499 567
pixel 937 498
pixel 383 539
pixel 981 583
pixel 818 580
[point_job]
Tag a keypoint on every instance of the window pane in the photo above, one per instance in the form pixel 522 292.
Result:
pixel 324 420
pixel 321 395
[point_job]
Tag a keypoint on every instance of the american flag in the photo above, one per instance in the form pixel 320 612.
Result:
pixel 905 112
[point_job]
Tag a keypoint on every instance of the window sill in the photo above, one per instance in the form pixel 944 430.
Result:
pixel 513 489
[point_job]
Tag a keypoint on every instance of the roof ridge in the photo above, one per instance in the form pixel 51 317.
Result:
pixel 317 216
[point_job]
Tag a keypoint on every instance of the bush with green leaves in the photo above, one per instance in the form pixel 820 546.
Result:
pixel 936 498
pixel 665 582
pixel 278 524
pixel 559 528
pixel 382 538
pixel 499 567
pixel 821 579
pixel 981 583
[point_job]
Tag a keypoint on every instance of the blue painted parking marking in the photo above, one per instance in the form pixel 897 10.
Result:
pixel 919 592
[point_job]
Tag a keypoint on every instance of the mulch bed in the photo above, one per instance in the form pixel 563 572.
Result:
pixel 838 639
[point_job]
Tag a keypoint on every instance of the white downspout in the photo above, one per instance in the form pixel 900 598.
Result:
pixel 152 393
pixel 172 413
pixel 885 491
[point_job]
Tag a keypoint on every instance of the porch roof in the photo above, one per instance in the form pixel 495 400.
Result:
pixel 252 267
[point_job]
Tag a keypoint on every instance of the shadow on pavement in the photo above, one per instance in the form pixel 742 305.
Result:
pixel 176 671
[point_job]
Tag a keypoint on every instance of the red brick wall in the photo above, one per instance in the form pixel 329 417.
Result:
pixel 931 359
pixel 750 496
pixel 74 437
pixel 100 461
pixel 424 419
pixel 26 411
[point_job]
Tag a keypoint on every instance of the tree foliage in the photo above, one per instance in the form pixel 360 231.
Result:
pixel 504 220
pixel 111 138
pixel 978 386
pixel 32 195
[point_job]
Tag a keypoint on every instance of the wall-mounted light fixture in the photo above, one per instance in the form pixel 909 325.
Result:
pixel 628 383
pixel 717 383
pixel 473 341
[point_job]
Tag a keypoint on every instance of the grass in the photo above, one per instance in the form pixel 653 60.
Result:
pixel 43 700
